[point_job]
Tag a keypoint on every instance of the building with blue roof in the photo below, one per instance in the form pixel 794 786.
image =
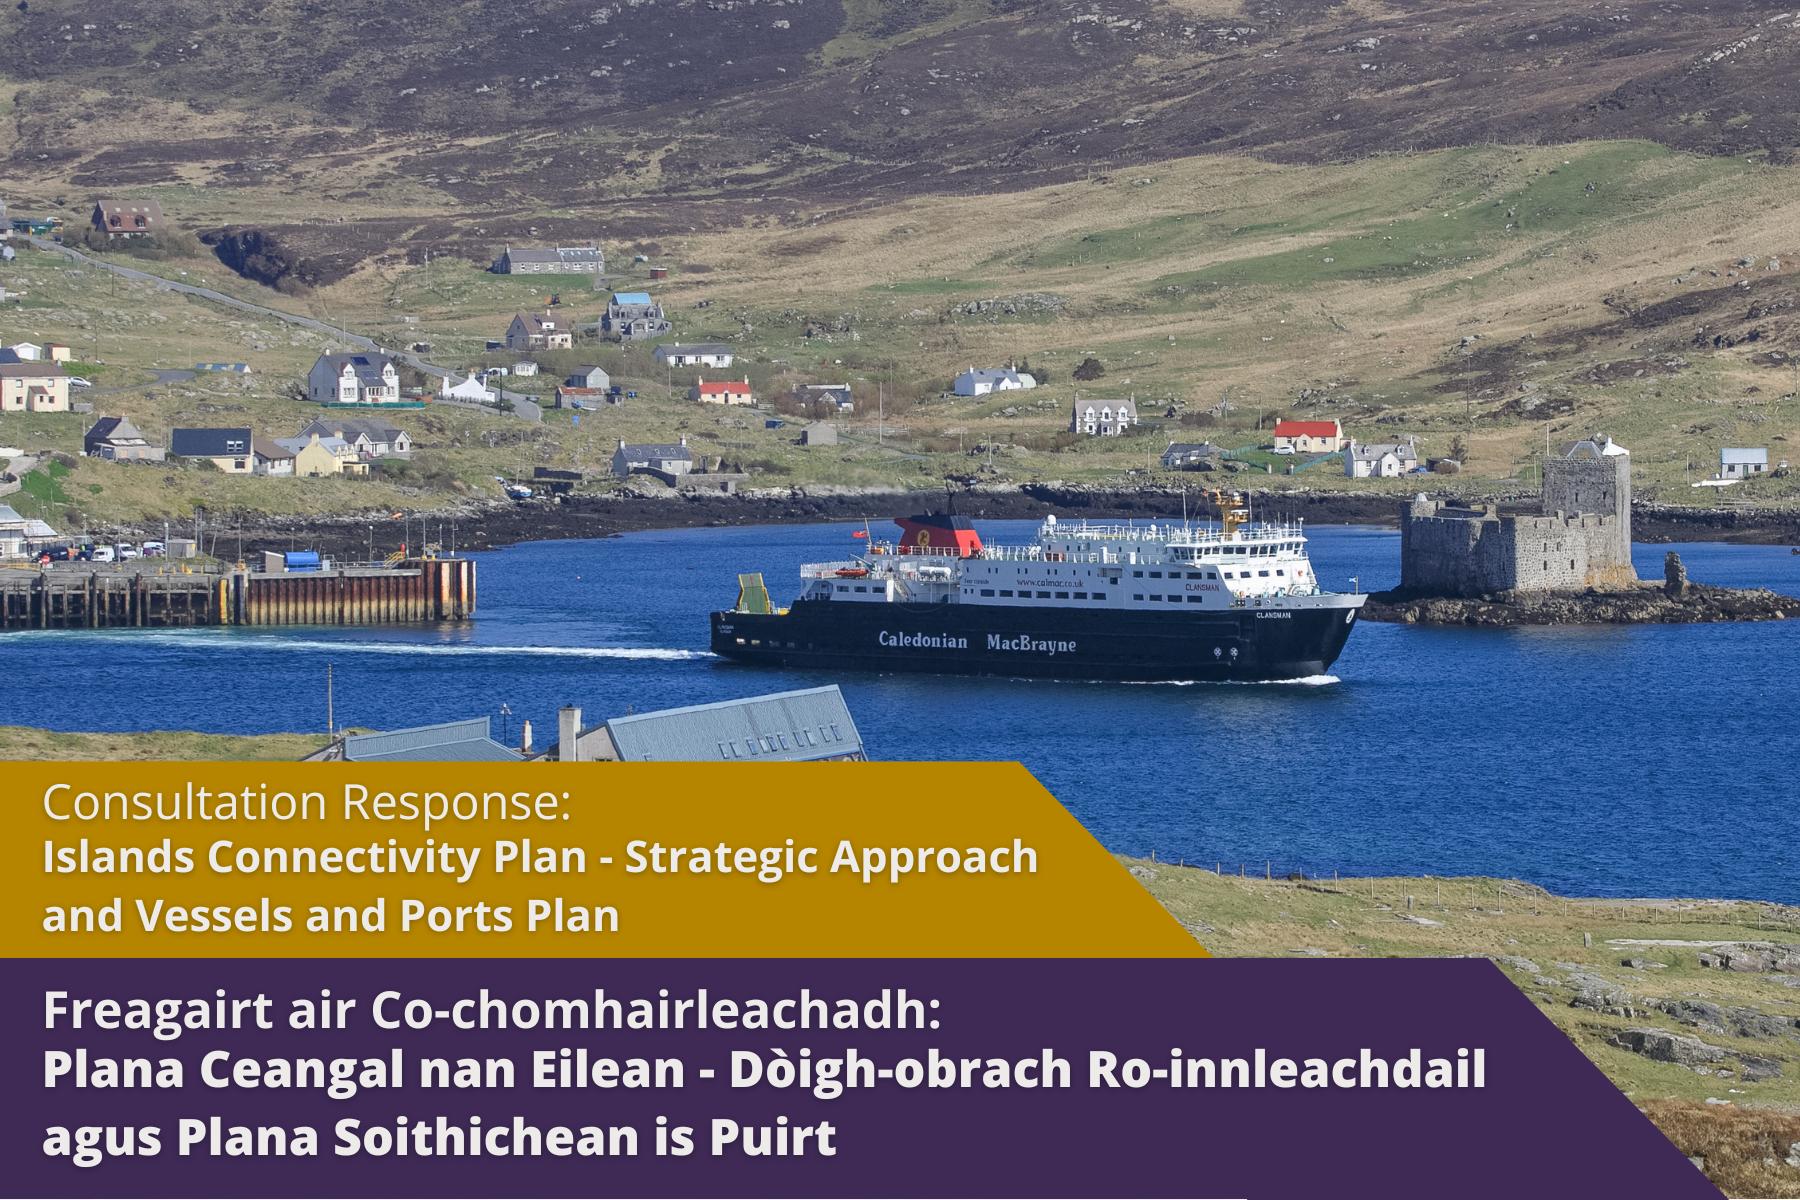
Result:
pixel 633 317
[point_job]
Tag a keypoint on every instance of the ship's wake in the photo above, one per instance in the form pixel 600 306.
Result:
pixel 227 640
pixel 1303 681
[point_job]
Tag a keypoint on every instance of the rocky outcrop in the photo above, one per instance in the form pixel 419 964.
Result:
pixel 1753 957
pixel 1660 1045
pixel 1647 605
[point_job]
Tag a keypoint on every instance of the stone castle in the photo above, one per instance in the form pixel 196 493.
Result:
pixel 1581 539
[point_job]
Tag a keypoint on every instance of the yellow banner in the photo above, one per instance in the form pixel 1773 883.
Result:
pixel 572 860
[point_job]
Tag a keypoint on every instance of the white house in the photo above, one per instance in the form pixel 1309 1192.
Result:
pixel 353 378
pixel 697 354
pixel 973 382
pixel 471 390
pixel 539 331
pixel 664 458
pixel 1380 460
pixel 1103 418
pixel 1743 463
pixel 27 351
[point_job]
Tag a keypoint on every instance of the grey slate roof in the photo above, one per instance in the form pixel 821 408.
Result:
pixel 114 429
pixel 650 450
pixel 452 741
pixel 209 443
pixel 374 428
pixel 1371 451
pixel 783 727
pixel 368 366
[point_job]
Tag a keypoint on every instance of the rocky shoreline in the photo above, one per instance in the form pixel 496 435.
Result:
pixel 1649 604
pixel 498 523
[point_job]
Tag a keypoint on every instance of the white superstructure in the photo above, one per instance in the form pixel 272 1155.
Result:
pixel 1090 565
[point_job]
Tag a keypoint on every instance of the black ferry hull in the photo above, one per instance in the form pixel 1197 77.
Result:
pixel 1240 644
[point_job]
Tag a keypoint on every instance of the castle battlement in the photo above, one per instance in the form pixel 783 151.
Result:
pixel 1581 539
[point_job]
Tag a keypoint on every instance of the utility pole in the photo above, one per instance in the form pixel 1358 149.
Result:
pixel 880 412
pixel 330 710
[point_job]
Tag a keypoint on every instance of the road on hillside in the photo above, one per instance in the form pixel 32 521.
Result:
pixel 523 406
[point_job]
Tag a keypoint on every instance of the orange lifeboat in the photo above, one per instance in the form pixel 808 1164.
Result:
pixel 853 572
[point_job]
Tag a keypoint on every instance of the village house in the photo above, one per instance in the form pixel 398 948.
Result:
pixel 590 377
pixel 979 382
pixel 1380 460
pixel 552 260
pixel 316 457
pixel 227 449
pixel 539 331
pixel 699 354
pixel 57 352
pixel 470 390
pixel 1103 418
pixel 1192 456
pixel 272 458
pixel 353 378
pixel 660 458
pixel 118 440
pixel 633 317
pixel 1743 463
pixel 24 352
pixel 128 218
pixel 724 391
pixel 837 395
pixel 1308 437
pixel 370 437
pixel 36 387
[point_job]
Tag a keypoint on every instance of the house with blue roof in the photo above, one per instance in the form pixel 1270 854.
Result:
pixel 633 317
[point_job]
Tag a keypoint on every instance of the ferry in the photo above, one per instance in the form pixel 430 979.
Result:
pixel 1235 601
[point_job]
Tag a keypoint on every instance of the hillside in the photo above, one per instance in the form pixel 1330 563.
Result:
pixel 632 119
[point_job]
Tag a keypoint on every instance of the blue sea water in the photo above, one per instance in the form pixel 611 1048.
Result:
pixel 1650 760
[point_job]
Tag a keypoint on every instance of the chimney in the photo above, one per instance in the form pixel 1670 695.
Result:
pixel 568 734
pixel 684 439
pixel 525 738
pixel 621 443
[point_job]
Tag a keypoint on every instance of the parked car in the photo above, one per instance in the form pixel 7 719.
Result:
pixel 78 381
pixel 102 554
pixel 1281 450
pixel 125 551
pixel 154 550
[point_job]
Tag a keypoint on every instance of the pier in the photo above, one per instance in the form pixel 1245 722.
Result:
pixel 85 596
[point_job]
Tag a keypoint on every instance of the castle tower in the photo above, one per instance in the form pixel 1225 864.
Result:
pixel 1593 477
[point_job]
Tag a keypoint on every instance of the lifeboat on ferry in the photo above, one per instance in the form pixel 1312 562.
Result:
pixel 853 573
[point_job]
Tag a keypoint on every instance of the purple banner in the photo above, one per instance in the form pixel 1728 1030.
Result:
pixel 1033 1078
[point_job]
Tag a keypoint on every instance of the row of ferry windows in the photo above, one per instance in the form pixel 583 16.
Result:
pixel 1025 595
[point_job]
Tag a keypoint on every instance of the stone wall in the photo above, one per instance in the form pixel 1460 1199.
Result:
pixel 1580 483
pixel 1450 551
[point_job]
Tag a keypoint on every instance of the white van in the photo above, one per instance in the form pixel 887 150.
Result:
pixel 103 554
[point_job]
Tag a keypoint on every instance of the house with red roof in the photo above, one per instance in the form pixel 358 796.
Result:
pixel 727 391
pixel 1308 437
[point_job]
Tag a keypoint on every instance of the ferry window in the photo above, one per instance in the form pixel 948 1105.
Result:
pixel 1099 595
pixel 768 744
pixel 1156 574
pixel 1264 574
pixel 1195 575
pixel 861 588
pixel 1196 599
pixel 784 741
pixel 1137 575
pixel 1006 591
pixel 1081 595
pixel 724 750
pixel 1043 595
pixel 837 735
pixel 1062 595
pixel 1281 572
pixel 843 587
pixel 1137 596
pixel 987 591
pixel 740 641
pixel 1212 574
